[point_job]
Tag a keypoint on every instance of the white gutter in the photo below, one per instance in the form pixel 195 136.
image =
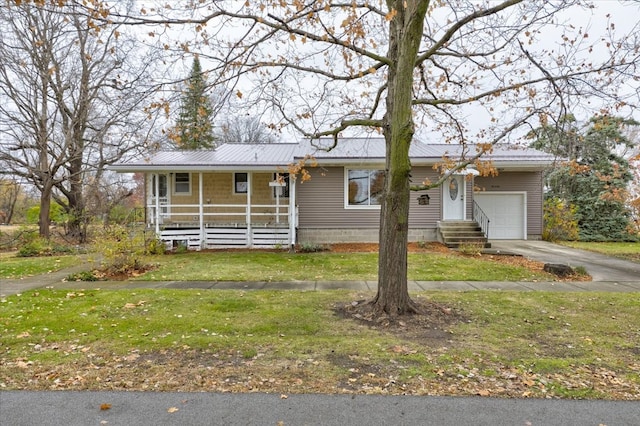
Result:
pixel 157 189
pixel 248 216
pixel 201 209
pixel 135 168
pixel 293 214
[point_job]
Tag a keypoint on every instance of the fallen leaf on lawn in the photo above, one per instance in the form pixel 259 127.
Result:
pixel 23 335
pixel 104 407
pixel 172 410
pixel 131 357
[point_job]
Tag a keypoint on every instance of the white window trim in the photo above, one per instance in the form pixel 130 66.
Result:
pixel 234 183
pixel 348 206
pixel 174 182
pixel 163 202
pixel 152 185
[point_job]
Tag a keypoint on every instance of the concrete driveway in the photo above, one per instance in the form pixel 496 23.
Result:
pixel 599 266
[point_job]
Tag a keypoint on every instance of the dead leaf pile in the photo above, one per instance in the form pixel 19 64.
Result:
pixel 191 370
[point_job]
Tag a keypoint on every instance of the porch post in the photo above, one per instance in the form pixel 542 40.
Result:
pixel 464 197
pixel 157 192
pixel 293 216
pixel 248 217
pixel 201 208
pixel 277 191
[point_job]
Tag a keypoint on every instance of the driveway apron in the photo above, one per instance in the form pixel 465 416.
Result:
pixel 599 266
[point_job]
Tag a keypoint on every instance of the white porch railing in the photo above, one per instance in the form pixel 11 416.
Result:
pixel 217 213
pixel 223 225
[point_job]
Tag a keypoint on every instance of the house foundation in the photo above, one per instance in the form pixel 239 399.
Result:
pixel 351 235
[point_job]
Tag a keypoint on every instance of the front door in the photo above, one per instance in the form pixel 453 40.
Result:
pixel 163 198
pixel 453 198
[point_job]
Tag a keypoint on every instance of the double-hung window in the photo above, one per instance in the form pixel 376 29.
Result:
pixel 182 184
pixel 363 188
pixel 240 183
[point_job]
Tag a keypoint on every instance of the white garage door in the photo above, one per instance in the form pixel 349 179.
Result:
pixel 506 213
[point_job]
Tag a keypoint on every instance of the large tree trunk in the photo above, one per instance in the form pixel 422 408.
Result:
pixel 405 34
pixel 77 224
pixel 393 296
pixel 45 208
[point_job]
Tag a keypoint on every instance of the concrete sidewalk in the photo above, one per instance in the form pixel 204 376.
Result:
pixel 56 280
pixel 370 286
pixel 609 274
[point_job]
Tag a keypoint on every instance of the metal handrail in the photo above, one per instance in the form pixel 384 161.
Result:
pixel 481 217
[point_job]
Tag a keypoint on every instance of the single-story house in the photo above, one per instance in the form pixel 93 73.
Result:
pixel 240 195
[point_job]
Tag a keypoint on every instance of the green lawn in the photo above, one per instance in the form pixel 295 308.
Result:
pixel 283 266
pixel 17 267
pixel 624 250
pixel 512 344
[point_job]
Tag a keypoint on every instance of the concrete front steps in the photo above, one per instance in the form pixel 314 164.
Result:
pixel 454 233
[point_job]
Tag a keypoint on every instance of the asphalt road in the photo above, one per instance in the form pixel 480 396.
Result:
pixel 170 408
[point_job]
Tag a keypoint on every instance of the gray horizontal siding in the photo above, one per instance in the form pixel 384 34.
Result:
pixel 531 182
pixel 321 202
pixel 424 216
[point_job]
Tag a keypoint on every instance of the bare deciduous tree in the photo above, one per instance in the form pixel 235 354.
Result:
pixel 72 101
pixel 244 130
pixel 398 66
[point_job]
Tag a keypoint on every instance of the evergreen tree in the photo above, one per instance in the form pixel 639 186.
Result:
pixel 194 127
pixel 595 177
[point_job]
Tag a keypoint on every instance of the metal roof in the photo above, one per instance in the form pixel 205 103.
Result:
pixel 249 156
pixel 348 150
pixel 358 149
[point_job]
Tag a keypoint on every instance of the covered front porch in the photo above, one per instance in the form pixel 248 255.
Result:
pixel 208 210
